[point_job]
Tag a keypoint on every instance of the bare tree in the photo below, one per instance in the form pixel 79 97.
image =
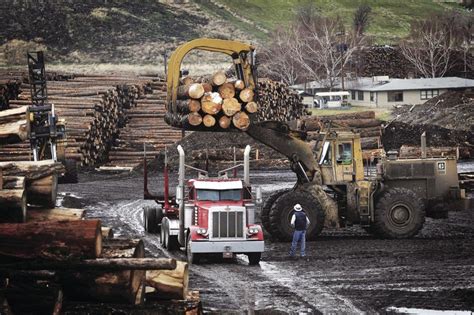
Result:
pixel 323 47
pixel 431 44
pixel 278 59
pixel 361 19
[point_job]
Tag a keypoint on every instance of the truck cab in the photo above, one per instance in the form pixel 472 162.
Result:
pixel 220 218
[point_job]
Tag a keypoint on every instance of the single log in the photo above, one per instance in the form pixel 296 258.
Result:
pixel 231 106
pixel 12 206
pixel 224 122
pixel 239 85
pixel 169 284
pixel 14 132
pixel 219 78
pixel 186 80
pixel 186 106
pixel 55 214
pixel 14 182
pixel 32 169
pixel 43 191
pixel 207 87
pixel 369 114
pixel 211 103
pixel 209 121
pixel 12 115
pixel 246 95
pixel 194 90
pixel 121 286
pixel 358 123
pixel 194 119
pixel 241 120
pixel 56 240
pixel 251 107
pixel 227 90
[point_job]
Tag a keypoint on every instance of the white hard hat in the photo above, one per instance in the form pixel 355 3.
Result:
pixel 297 207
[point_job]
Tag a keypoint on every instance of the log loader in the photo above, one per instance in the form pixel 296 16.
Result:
pixel 331 185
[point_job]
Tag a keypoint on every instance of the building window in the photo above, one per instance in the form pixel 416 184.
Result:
pixel 427 94
pixel 395 96
pixel 372 96
pixel 353 95
pixel 360 95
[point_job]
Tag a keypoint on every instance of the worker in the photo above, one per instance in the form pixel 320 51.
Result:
pixel 300 222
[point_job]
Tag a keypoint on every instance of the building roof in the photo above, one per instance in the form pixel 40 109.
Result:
pixel 367 84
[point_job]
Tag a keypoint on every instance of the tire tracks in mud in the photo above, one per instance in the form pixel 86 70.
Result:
pixel 232 285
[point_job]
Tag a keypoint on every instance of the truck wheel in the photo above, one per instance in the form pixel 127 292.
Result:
pixel 282 210
pixel 399 213
pixel 265 214
pixel 254 258
pixel 149 219
pixel 192 258
pixel 172 242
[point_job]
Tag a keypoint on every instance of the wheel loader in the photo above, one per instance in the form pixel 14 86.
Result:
pixel 331 184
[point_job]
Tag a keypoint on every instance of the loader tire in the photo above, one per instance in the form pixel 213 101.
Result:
pixel 282 210
pixel 265 214
pixel 399 213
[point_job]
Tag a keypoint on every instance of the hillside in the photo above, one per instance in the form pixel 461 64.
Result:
pixel 140 32
pixel 390 19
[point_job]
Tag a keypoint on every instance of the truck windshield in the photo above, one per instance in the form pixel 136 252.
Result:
pixel 216 195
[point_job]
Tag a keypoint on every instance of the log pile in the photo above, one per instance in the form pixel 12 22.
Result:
pixel 9 90
pixel 93 109
pixel 68 260
pixel 414 152
pixel 219 103
pixel 145 125
pixel 363 123
pixel 23 183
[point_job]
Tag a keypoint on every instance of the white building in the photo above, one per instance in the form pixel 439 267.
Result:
pixel 385 92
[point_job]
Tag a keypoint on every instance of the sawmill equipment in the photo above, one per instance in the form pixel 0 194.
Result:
pixel 331 185
pixel 47 133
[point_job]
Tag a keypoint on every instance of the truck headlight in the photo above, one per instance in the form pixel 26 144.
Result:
pixel 253 230
pixel 202 231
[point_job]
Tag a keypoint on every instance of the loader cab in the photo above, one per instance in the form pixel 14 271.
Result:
pixel 341 158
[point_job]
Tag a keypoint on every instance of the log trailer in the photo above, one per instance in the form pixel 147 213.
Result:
pixel 331 185
pixel 209 215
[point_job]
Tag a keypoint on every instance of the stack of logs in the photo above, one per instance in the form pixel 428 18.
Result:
pixel 278 102
pixel 363 123
pixel 66 258
pixel 93 109
pixel 22 183
pixel 219 104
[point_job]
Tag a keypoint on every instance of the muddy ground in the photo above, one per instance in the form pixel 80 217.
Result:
pixel 346 271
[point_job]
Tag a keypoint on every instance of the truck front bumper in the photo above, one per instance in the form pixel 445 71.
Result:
pixel 236 247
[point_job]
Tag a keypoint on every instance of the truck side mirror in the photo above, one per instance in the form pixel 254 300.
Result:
pixel 258 195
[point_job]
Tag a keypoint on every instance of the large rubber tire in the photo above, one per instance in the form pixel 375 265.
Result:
pixel 173 243
pixel 399 213
pixel 265 213
pixel 282 210
pixel 70 176
pixel 150 222
pixel 254 258
pixel 192 258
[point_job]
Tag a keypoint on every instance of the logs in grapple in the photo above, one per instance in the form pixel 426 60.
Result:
pixel 219 103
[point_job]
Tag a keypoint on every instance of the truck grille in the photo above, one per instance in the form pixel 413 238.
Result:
pixel 227 224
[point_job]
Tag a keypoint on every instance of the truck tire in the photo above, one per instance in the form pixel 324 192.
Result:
pixel 265 214
pixel 399 213
pixel 149 219
pixel 173 242
pixel 282 210
pixel 192 258
pixel 254 258
pixel 70 175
